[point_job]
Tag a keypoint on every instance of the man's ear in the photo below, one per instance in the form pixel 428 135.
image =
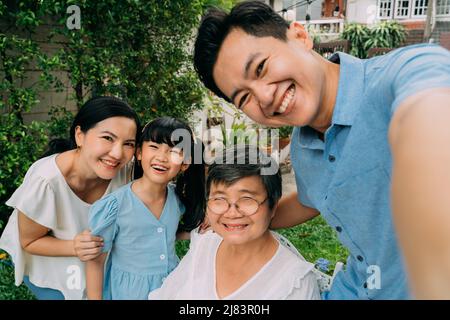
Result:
pixel 297 31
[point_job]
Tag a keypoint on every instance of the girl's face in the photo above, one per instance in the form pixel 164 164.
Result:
pixel 160 162
pixel 108 146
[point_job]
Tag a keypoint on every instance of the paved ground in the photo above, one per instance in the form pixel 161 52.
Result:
pixel 289 183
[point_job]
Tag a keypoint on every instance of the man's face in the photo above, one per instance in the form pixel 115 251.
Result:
pixel 274 82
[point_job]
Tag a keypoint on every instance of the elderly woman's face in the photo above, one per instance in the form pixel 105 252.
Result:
pixel 235 225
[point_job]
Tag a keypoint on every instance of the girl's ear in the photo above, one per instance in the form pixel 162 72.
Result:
pixel 79 135
pixel 138 153
pixel 184 167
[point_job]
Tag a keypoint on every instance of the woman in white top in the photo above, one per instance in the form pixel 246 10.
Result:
pixel 47 234
pixel 241 258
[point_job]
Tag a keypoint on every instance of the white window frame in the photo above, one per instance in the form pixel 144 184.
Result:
pixel 443 8
pixel 423 5
pixel 408 9
pixel 380 9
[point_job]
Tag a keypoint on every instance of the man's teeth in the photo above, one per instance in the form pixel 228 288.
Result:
pixel 110 163
pixel 287 99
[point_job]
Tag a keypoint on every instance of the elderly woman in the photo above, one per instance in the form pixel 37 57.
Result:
pixel 240 258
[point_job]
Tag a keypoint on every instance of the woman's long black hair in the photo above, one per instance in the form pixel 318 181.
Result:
pixel 92 112
pixel 190 185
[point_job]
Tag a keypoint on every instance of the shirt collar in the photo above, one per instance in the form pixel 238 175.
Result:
pixel 349 96
pixel 350 88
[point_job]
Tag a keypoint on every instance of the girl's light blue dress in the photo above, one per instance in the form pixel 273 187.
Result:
pixel 141 247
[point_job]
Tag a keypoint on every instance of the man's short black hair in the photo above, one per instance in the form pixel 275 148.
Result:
pixel 254 17
pixel 247 161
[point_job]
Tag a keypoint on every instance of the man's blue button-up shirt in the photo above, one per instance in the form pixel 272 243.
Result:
pixel 347 175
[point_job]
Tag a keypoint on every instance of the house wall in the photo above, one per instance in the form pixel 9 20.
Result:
pixel 366 11
pixel 315 9
pixel 277 4
pixel 362 11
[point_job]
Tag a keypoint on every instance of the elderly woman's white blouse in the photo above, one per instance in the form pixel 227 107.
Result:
pixel 286 276
pixel 45 197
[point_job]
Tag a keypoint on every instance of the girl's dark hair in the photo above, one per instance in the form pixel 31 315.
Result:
pixel 190 185
pixel 92 112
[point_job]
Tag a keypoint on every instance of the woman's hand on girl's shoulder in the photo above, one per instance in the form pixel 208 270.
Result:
pixel 86 246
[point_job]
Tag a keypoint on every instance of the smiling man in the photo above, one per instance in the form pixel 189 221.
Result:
pixel 371 147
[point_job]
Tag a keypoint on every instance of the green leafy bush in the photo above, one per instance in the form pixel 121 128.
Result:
pixel 386 34
pixel 137 50
pixel 357 34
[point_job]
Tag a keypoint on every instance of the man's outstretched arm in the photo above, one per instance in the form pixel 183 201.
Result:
pixel 419 136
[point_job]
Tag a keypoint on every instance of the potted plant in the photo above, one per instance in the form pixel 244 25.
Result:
pixel 285 136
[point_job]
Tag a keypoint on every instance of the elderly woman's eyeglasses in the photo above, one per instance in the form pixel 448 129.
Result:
pixel 245 205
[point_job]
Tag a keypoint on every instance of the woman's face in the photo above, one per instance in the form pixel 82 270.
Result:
pixel 108 146
pixel 234 227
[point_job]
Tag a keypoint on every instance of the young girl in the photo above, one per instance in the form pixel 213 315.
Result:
pixel 139 222
pixel 47 234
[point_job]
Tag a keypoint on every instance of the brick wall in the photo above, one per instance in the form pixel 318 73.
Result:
pixel 414 36
pixel 441 32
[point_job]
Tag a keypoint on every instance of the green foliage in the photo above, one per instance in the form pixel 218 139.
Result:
pixel 20 143
pixel 225 4
pixel 285 131
pixel 20 146
pixel 8 290
pixel 386 34
pixel 239 133
pixel 316 239
pixel 357 34
pixel 134 49
pixel 137 50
